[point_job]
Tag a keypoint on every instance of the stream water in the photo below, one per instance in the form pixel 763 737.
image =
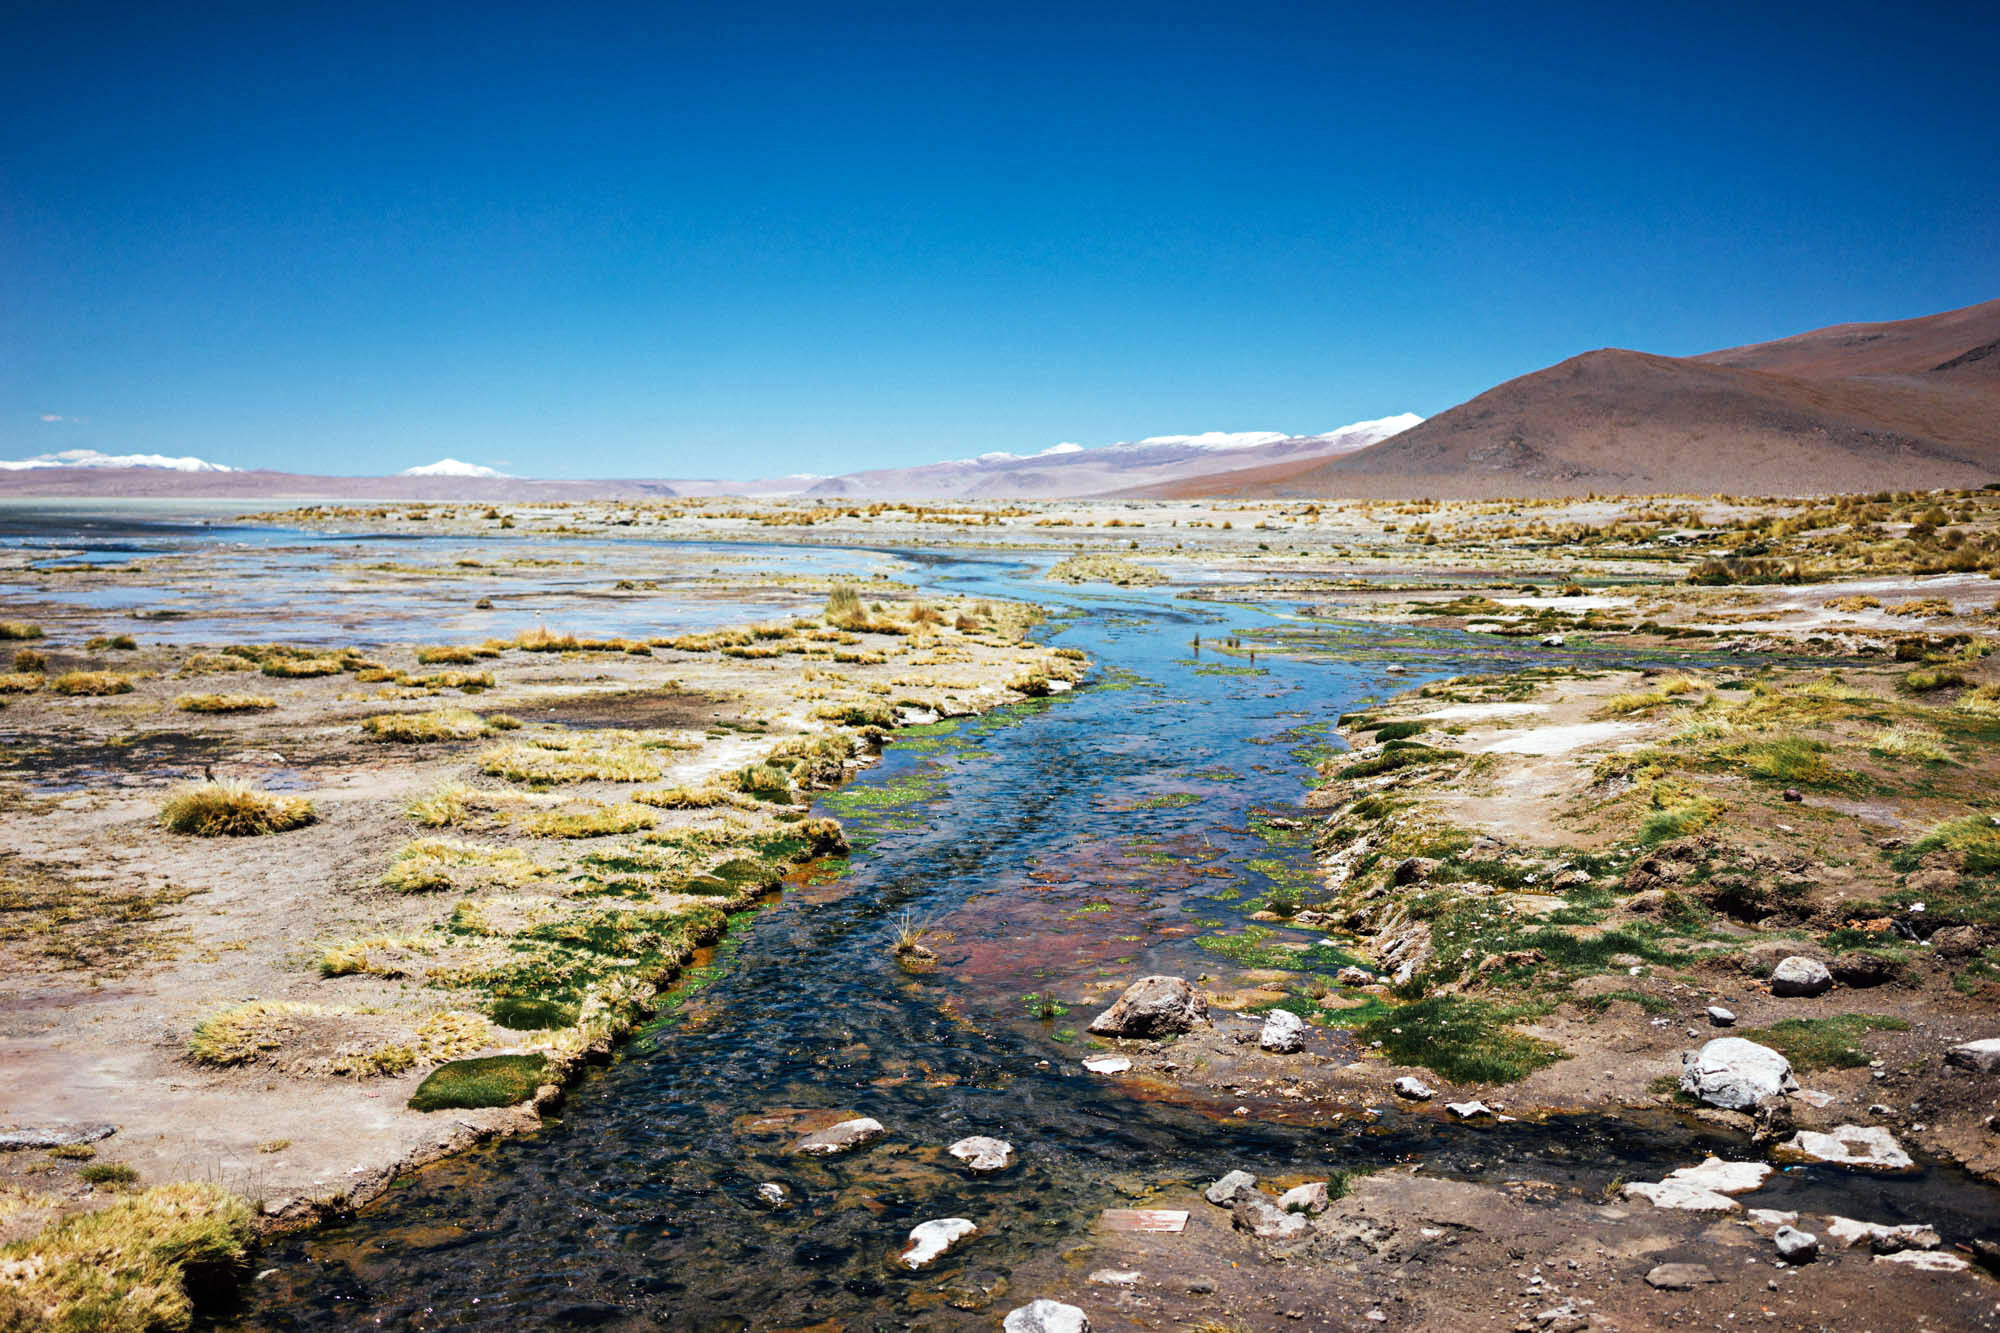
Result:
pixel 1057 849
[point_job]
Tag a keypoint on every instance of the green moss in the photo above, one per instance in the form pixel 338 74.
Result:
pixel 493 1080
pixel 1466 1041
pixel 1396 755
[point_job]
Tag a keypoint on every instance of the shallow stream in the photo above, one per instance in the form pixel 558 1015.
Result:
pixel 1057 850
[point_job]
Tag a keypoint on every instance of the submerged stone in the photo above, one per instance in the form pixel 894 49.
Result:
pixel 982 1154
pixel 931 1241
pixel 1046 1317
pixel 1857 1147
pixel 843 1137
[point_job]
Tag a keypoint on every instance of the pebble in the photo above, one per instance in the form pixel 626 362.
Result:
pixel 1414 1088
pixel 1468 1110
pixel 1046 1317
pixel 931 1241
pixel 1224 1191
pixel 982 1154
pixel 773 1194
pixel 1679 1277
pixel 1721 1017
pixel 1795 1246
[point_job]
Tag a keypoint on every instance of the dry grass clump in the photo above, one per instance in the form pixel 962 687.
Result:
pixel 1104 569
pixel 233 809
pixel 693 798
pixel 1906 742
pixel 354 958
pixel 432 864
pixel 120 1269
pixel 589 821
pixel 547 758
pixel 1929 608
pixel 1983 701
pixel 455 654
pixel 209 664
pixel 17 630
pixel 472 682
pixel 1851 604
pixel 442 724
pixel 91 683
pixel 224 703
pixel 540 640
pixel 105 643
pixel 446 806
pixel 242 1034
pixel 30 659
pixel 294 668
pixel 845 609
pixel 20 682
pixel 1664 692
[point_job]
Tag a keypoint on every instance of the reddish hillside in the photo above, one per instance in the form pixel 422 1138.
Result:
pixel 1908 404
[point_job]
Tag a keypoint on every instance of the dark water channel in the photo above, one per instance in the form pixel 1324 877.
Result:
pixel 1089 838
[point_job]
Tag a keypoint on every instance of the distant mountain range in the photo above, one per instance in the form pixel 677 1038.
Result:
pixel 1912 404
pixel 1063 471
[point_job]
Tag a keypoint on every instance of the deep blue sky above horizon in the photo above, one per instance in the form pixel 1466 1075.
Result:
pixel 661 240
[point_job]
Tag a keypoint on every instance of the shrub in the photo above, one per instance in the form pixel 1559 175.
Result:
pixel 867 713
pixel 112 642
pixel 108 1173
pixel 16 630
pixel 495 1080
pixel 234 809
pixel 1926 679
pixel 764 781
pixel 448 804
pixel 224 703
pixel 20 682
pixel 208 664
pixel 240 1035
pixel 29 659
pixel 91 683
pixel 448 655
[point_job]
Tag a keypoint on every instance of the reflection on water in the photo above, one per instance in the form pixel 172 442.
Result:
pixel 1085 839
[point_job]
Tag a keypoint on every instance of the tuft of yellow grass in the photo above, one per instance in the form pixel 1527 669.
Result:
pixel 21 682
pixel 442 724
pixel 121 1269
pixel 246 1032
pixel 224 703
pixel 432 864
pixel 91 683
pixel 233 809
pixel 589 821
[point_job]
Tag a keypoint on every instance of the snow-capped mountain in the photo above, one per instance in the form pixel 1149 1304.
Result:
pixel 91 458
pixel 451 467
pixel 1068 470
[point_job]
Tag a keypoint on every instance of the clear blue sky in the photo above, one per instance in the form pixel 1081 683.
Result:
pixel 586 240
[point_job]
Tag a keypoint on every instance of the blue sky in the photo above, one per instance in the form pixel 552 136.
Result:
pixel 655 240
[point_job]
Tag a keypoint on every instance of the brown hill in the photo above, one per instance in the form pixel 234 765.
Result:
pixel 1909 404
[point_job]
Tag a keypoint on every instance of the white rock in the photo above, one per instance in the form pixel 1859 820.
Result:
pixel 843 1137
pixel 1721 1017
pixel 1735 1074
pixel 1354 976
pixel 1979 1056
pixel 1930 1261
pixel 1116 1277
pixel 1414 1088
pixel 1154 1007
pixel 1468 1110
pixel 1857 1147
pixel 773 1194
pixel 931 1241
pixel 1046 1317
pixel 1795 1246
pixel 1107 1064
pixel 1771 1217
pixel 982 1154
pixel 1311 1197
pixel 1798 975
pixel 1682 1197
pixel 1848 1233
pixel 1723 1177
pixel 1224 1191
pixel 1284 1032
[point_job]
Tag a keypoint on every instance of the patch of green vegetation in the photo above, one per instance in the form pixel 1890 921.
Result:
pixel 493 1080
pixel 1794 761
pixel 1466 1041
pixel 1396 731
pixel 1396 755
pixel 521 1014
pixel 114 1174
pixel 1823 1043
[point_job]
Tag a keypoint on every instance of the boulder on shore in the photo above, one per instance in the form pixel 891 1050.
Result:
pixel 1153 1007
pixel 1856 1147
pixel 1284 1032
pixel 1800 976
pixel 1736 1074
